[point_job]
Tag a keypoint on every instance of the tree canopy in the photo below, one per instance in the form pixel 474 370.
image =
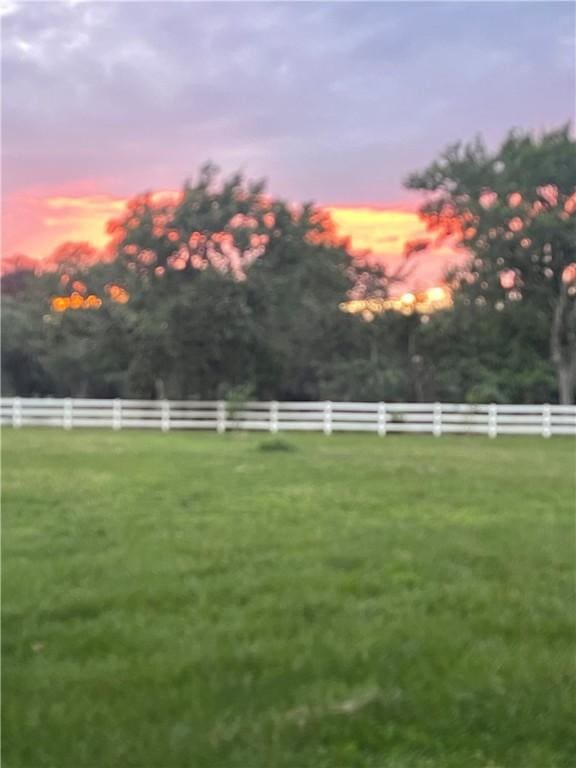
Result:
pixel 223 288
pixel 514 211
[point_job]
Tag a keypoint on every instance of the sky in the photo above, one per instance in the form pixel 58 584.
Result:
pixel 334 102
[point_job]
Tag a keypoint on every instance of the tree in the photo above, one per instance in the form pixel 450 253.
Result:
pixel 217 287
pixel 514 211
pixel 63 333
pixel 232 288
pixel 472 354
pixel 16 272
pixel 22 370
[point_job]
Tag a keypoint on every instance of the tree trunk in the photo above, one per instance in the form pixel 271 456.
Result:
pixel 159 388
pixel 415 363
pixel 563 345
pixel 83 387
pixel 566 382
pixel 375 360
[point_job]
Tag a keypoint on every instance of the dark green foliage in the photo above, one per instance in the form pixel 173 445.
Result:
pixel 210 308
pixel 276 445
pixel 477 355
pixel 515 211
pixel 212 312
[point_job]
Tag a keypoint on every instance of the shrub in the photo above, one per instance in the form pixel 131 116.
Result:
pixel 276 444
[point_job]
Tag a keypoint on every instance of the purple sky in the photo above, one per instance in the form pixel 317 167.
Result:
pixel 335 102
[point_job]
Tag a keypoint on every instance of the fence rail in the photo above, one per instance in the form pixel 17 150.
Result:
pixel 381 418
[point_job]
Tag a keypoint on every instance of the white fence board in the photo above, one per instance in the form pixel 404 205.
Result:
pixel 411 417
pixel 409 407
pixel 524 408
pixel 312 426
pixel 519 429
pixel 193 423
pixel 355 407
pixel 517 418
pixel 181 413
pixel 400 426
pixel 302 406
pixel 42 413
pixel 339 416
pixel 203 404
pixel 328 417
pixel 106 422
pixel 140 405
pixel 464 429
pixel 46 421
pixel 248 424
pixel 357 427
pixel 303 416
pixel 465 408
pixel 464 418
pixel 564 431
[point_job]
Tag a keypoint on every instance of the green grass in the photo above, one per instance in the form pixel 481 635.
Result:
pixel 193 601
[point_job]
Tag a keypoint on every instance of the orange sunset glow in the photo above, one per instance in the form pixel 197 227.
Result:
pixel 384 232
pixel 36 225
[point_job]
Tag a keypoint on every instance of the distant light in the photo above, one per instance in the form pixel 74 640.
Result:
pixel 117 293
pixel 75 301
pixel 423 303
pixel 508 279
pixel 437 294
pixel 92 302
pixel 569 274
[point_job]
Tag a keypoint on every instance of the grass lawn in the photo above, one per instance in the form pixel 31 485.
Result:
pixel 194 601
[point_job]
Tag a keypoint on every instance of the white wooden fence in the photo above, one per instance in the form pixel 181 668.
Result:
pixel 381 418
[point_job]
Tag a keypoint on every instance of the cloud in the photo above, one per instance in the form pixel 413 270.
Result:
pixel 98 204
pixel 332 101
pixel 8 7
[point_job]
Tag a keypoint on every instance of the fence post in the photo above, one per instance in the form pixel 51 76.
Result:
pixel 117 414
pixel 16 413
pixel 67 415
pixel 165 417
pixel 221 417
pixel 437 425
pixel 274 416
pixel 328 417
pixel 493 420
pixel 546 421
pixel 381 419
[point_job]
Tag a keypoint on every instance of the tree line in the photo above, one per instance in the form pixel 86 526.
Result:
pixel 222 289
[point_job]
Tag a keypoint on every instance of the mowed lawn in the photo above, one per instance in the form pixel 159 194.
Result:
pixel 200 601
